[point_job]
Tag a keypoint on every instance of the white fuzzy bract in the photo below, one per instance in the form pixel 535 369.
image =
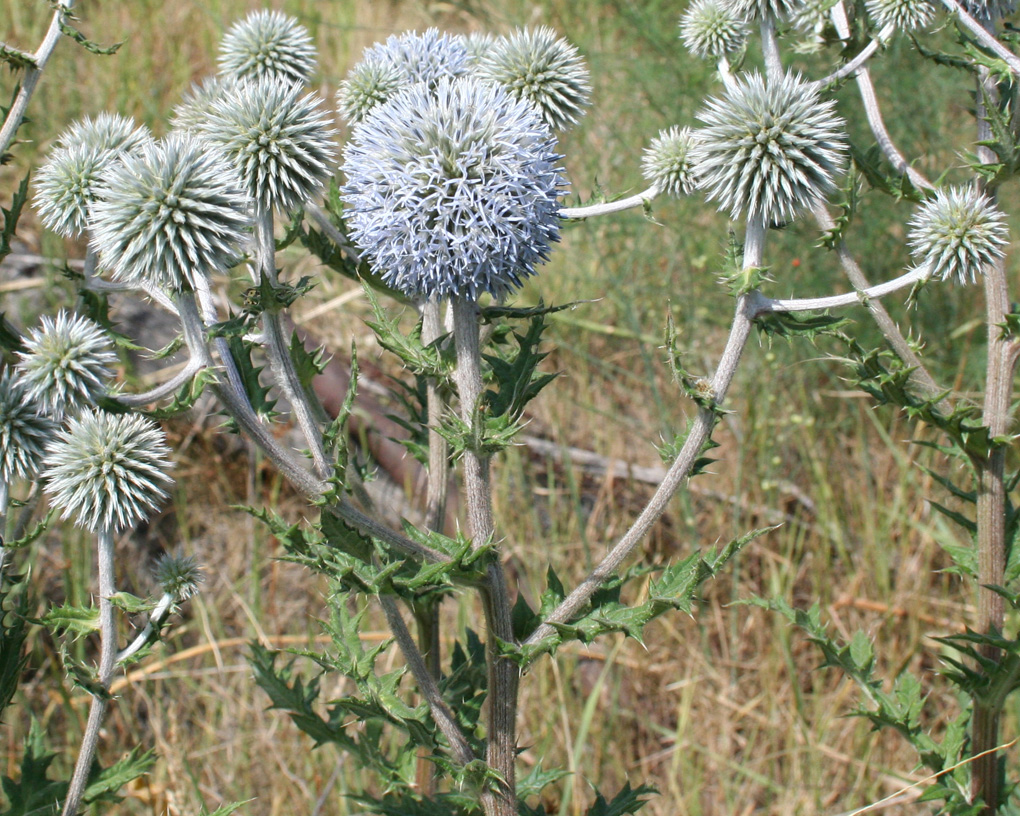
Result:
pixel 453 192
pixel 107 470
pixel 280 142
pixel 542 68
pixel 65 365
pixel 24 432
pixel 172 213
pixel 667 162
pixel 956 234
pixel 710 29
pixel 770 150
pixel 268 44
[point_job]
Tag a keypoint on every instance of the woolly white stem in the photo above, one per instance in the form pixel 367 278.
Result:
pixel 629 203
pixel 726 74
pixel 162 390
pixel 859 60
pixel 152 626
pixel 848 299
pixel 770 49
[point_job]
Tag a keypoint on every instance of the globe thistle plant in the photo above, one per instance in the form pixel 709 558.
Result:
pixel 24 432
pixel 538 66
pixel 710 29
pixel 905 15
pixel 279 141
pixel 107 131
pixel 426 57
pixel 107 470
pixel 194 107
pixel 65 364
pixel 755 10
pixel 453 192
pixel 667 162
pixel 478 45
pixel 170 214
pixel 268 44
pixel 956 234
pixel 178 575
pixel 369 83
pixel 769 149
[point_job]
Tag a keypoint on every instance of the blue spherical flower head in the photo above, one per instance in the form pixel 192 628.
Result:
pixel 453 192
pixel 424 57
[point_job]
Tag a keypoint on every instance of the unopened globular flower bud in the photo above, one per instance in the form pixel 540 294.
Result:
pixel 24 432
pixel 268 44
pixel 956 234
pixel 538 66
pixel 905 15
pixel 107 470
pixel 710 29
pixel 65 365
pixel 770 150
pixel 279 141
pixel 106 131
pixel 453 192
pixel 369 83
pixel 478 44
pixel 172 213
pixel 178 575
pixel 667 163
pixel 194 107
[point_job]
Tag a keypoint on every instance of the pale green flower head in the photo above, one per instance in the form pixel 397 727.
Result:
pixel 667 163
pixel 905 15
pixel 268 44
pixel 178 575
pixel 24 432
pixel 710 29
pixel 368 84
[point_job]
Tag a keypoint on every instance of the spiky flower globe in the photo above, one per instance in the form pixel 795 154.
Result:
pixel 453 192
pixel 178 575
pixel 542 68
pixel 24 432
pixel 667 163
pixel 279 141
pixel 107 470
pixel 956 234
pixel 268 44
pixel 811 17
pixel 905 15
pixel 194 107
pixel 67 183
pixel 170 214
pixel 756 10
pixel 369 83
pixel 478 44
pixel 770 149
pixel 424 57
pixel 65 364
pixel 710 29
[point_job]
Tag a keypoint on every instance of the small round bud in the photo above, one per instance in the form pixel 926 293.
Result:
pixel 906 15
pixel 107 470
pixel 279 141
pixel 369 83
pixel 956 234
pixel 170 214
pixel 178 575
pixel 24 432
pixel 667 163
pixel 198 100
pixel 710 29
pixel 268 44
pixel 65 365
pixel 453 192
pixel 769 149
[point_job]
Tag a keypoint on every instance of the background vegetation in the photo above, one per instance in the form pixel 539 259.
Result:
pixel 725 712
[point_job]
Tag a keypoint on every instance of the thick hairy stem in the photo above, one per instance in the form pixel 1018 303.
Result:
pixel 629 203
pixel 985 35
pixel 857 62
pixel 162 390
pixel 504 675
pixel 986 776
pixel 873 112
pixel 748 307
pixel 770 49
pixel 107 662
pixel 32 74
pixel 279 354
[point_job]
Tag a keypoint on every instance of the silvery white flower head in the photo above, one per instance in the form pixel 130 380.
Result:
pixel 906 15
pixel 107 131
pixel 756 10
pixel 956 234
pixel 478 44
pixel 178 575
pixel 424 57
pixel 542 68
pixel 279 141
pixel 65 364
pixel 173 212
pixel 24 432
pixel 197 101
pixel 368 84
pixel 268 44
pixel 453 192
pixel 770 149
pixel 107 470
pixel 710 29
pixel 667 162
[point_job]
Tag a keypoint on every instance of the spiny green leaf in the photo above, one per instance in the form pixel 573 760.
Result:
pixel 11 215
pixel 628 800
pixel 86 43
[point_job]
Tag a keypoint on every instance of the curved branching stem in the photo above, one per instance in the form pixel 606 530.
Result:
pixel 104 676
pixel 910 278
pixel 748 307
pixel 163 389
pixel 504 675
pixel 39 59
pixel 157 618
pixel 726 73
pixel 866 53
pixel 872 110
pixel 629 203
pixel 329 229
pixel 983 35
pixel 95 283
